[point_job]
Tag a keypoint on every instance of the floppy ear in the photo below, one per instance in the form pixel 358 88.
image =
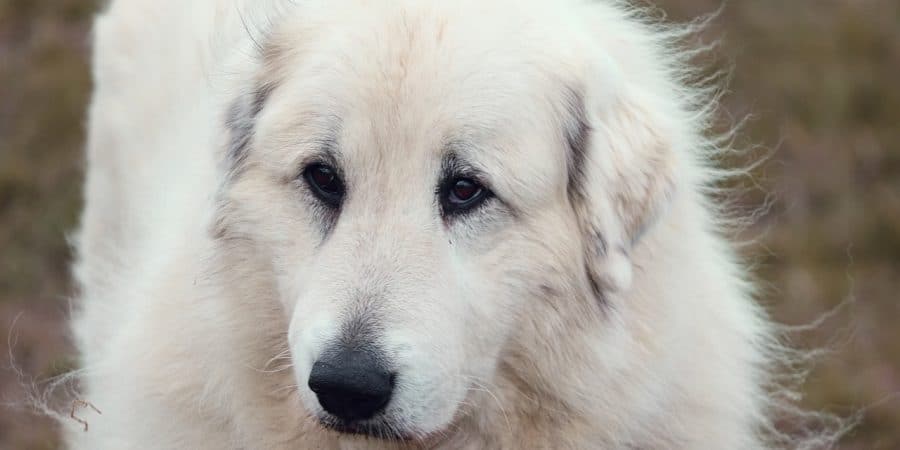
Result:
pixel 264 71
pixel 621 178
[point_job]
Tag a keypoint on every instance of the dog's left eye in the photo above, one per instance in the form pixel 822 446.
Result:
pixel 463 194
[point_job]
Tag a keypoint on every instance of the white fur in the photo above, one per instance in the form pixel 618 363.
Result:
pixel 207 292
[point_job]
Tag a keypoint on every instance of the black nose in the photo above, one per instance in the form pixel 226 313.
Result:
pixel 351 384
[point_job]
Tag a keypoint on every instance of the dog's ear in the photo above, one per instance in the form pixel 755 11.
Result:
pixel 621 177
pixel 264 71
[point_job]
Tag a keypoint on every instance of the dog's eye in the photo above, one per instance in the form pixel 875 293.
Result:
pixel 325 183
pixel 463 194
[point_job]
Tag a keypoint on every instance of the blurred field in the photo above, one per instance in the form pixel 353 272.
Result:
pixel 820 78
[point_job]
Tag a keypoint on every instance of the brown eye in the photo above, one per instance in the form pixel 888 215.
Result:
pixel 325 184
pixel 463 194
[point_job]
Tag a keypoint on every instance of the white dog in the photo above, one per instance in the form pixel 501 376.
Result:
pixel 464 224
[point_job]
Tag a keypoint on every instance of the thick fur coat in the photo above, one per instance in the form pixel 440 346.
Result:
pixel 590 301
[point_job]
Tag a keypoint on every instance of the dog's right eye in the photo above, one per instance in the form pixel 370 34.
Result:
pixel 325 184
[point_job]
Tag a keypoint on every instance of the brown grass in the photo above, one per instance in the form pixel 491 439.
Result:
pixel 821 79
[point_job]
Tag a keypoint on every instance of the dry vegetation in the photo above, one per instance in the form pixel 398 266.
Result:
pixel 819 77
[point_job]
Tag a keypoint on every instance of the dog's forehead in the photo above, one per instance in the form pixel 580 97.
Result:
pixel 409 84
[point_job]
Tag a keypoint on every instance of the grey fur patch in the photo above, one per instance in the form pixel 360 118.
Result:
pixel 577 133
pixel 600 249
pixel 361 325
pixel 241 122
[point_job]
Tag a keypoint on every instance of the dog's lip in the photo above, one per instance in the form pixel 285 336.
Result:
pixel 380 429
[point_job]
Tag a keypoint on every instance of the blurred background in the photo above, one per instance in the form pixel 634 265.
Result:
pixel 820 80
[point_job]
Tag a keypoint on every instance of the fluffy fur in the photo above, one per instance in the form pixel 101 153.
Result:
pixel 592 304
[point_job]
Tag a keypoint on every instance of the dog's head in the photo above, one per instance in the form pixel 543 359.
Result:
pixel 423 184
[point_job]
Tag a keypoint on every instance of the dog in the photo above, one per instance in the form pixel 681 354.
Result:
pixel 401 224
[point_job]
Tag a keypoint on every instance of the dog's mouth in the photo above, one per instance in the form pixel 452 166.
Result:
pixel 382 429
pixel 374 428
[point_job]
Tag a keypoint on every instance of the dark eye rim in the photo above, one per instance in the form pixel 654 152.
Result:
pixel 458 207
pixel 331 197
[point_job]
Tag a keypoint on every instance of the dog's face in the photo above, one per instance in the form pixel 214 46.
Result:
pixel 412 181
